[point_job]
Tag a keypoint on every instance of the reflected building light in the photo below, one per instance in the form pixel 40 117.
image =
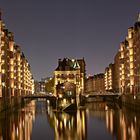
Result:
pixel 133 132
pixel 33 116
pixel 129 132
pixel 61 125
pixel 69 125
pixel 83 123
pixel 72 121
pixel 13 132
pixel 134 97
pixel 81 126
pixel 23 123
pixel 56 127
pixel 20 129
pixel 78 124
pixel 65 122
pixel 17 132
pixel 48 102
pixel 124 129
pixel 124 133
pixel 87 113
pixel 107 120
pixel 111 121
pixel 135 119
pixel 26 118
pixel 83 119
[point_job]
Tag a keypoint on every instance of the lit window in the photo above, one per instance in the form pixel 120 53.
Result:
pixel 2 52
pixel 3 71
pixel 3 61
pixel 131 51
pixel 131 58
pixel 131 72
pixel 131 65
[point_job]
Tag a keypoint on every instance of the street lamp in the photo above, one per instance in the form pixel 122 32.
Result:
pixel 60 95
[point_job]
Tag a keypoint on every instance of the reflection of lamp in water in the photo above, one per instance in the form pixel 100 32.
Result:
pixel 23 124
pixel 134 97
pixel 48 102
pixel 65 122
pixel 17 132
pixel 135 119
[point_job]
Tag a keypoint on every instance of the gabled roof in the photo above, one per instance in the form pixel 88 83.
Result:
pixel 67 64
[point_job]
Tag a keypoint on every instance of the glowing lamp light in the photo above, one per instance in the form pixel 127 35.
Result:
pixel 60 95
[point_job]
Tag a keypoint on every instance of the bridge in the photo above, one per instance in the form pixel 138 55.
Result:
pixel 39 95
pixel 97 96
pixel 46 96
pixel 53 101
pixel 88 97
pixel 49 97
pixel 107 94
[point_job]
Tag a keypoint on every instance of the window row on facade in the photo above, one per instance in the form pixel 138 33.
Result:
pixel 15 75
pixel 126 68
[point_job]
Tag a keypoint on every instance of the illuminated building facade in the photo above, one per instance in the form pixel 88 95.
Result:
pixel 98 83
pixel 117 84
pixel 124 75
pixel 70 71
pixel 89 84
pixel 109 78
pixel 95 83
pixel 15 75
pixel 130 61
pixel 39 86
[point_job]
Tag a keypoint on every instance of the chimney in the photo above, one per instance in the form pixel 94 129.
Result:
pixel 59 61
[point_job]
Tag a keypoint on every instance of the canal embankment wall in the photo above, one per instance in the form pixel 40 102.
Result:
pixel 11 103
pixel 131 101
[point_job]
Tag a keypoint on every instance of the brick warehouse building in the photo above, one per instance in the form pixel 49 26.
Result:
pixel 15 75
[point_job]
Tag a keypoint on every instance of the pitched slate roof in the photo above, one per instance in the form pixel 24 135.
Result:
pixel 67 64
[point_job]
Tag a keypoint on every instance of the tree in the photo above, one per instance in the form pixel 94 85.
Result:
pixel 49 86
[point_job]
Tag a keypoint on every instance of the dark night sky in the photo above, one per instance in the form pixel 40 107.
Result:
pixel 50 29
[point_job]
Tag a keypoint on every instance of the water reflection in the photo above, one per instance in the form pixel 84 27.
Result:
pixel 70 126
pixel 122 124
pixel 38 120
pixel 17 125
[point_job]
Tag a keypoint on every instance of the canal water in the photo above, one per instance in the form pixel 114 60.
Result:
pixel 94 121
